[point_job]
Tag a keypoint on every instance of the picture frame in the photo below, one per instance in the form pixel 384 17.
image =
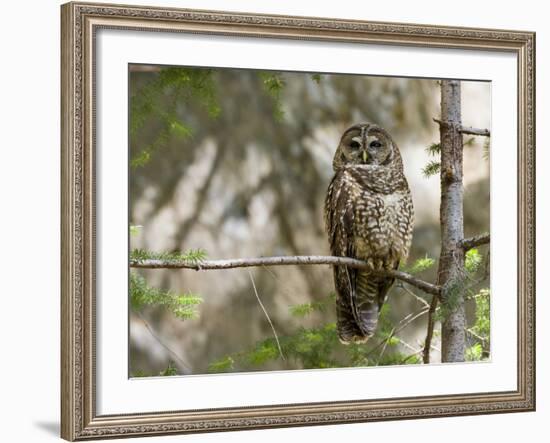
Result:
pixel 81 23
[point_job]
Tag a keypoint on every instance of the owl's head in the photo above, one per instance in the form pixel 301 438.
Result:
pixel 366 144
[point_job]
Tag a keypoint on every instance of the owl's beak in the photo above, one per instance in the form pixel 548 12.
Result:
pixel 365 155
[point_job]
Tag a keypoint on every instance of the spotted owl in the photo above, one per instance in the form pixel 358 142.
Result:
pixel 368 216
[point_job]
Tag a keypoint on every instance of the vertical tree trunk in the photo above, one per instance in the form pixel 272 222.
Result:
pixel 451 262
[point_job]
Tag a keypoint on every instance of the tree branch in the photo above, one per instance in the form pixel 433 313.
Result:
pixel 267 316
pixel 204 265
pixel 468 129
pixel 406 321
pixel 472 242
pixel 160 342
pixel 412 294
pixel 430 331
pixel 475 131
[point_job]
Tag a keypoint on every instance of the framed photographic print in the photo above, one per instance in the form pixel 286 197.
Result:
pixel 282 221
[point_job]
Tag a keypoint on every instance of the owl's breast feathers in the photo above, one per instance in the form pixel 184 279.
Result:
pixel 369 214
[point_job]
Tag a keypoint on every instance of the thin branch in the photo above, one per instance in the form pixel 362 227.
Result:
pixel 405 321
pixel 412 294
pixel 418 350
pixel 467 129
pixel 478 240
pixel 204 265
pixel 479 337
pixel 430 331
pixel 430 288
pixel 160 342
pixel 267 316
pixel 409 346
pixel 475 131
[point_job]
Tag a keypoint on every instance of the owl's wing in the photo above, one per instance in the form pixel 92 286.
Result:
pixel 339 219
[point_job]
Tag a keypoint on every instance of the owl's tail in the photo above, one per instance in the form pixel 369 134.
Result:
pixel 367 300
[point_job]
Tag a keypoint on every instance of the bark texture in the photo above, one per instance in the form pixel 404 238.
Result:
pixel 451 261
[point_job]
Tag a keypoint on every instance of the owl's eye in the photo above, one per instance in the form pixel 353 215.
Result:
pixel 354 144
pixel 375 144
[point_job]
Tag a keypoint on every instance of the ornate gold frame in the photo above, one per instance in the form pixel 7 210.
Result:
pixel 79 420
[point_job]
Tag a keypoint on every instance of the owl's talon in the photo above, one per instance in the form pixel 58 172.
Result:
pixel 370 264
pixel 356 339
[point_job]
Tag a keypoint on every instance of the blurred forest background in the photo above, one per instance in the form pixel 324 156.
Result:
pixel 233 163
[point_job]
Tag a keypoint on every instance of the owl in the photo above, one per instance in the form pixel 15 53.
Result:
pixel 368 216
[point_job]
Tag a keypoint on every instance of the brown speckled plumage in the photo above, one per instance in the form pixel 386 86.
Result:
pixel 369 216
